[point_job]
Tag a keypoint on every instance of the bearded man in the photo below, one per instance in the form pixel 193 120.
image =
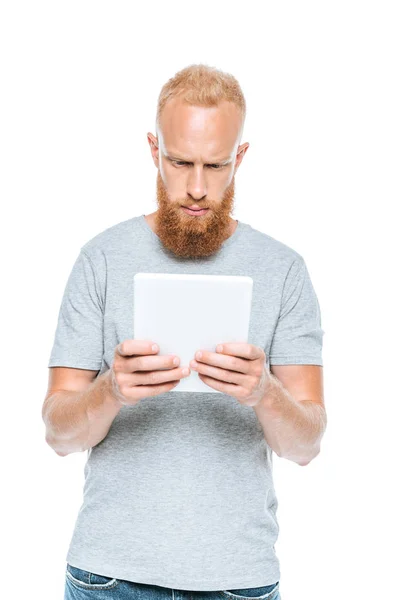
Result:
pixel 179 499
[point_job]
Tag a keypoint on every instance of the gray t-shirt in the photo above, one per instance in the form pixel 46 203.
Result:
pixel 180 492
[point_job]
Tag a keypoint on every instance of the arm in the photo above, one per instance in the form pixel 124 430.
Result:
pixel 78 410
pixel 292 412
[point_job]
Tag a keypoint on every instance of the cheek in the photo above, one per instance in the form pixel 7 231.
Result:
pixel 221 182
pixel 174 181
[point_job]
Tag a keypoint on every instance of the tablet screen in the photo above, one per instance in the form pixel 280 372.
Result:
pixel 184 313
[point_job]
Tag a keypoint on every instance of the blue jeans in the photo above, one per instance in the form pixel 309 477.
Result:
pixel 82 585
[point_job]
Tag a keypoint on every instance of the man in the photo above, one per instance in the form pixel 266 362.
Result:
pixel 179 495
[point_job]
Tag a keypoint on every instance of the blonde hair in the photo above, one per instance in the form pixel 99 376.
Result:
pixel 202 85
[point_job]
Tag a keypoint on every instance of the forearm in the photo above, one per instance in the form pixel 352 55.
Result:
pixel 292 429
pixel 76 421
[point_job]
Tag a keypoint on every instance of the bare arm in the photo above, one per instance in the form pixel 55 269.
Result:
pixel 292 414
pixel 78 410
pixel 79 416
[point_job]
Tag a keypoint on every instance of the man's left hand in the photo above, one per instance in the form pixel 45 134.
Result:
pixel 239 370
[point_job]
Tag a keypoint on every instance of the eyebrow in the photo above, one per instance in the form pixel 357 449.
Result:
pixel 224 161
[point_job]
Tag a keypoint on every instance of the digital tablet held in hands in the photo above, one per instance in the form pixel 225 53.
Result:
pixel 183 313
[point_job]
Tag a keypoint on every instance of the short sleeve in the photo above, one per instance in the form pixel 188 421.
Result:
pixel 297 338
pixel 78 339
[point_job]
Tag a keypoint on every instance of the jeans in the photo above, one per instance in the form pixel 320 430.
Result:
pixel 82 585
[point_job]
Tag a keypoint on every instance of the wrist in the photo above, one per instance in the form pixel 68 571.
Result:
pixel 111 394
pixel 270 399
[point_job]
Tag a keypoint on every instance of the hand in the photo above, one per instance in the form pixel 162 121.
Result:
pixel 138 372
pixel 238 370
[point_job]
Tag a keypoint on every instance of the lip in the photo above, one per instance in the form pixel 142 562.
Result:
pixel 191 211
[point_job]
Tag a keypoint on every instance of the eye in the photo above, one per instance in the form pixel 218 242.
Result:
pixel 182 163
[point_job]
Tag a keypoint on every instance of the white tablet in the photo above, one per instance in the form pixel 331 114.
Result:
pixel 184 313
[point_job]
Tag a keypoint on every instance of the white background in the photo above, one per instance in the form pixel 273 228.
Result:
pixel 80 82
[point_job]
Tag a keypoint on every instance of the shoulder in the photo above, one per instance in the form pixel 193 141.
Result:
pixel 273 250
pixel 111 238
pixel 111 243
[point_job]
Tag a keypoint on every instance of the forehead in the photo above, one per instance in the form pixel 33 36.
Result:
pixel 211 132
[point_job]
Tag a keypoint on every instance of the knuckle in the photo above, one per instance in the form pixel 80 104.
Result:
pixel 139 366
pixel 232 363
pixel 229 376
pixel 243 393
pixel 118 380
pixel 152 376
pixel 117 367
pixel 156 389
pixel 259 370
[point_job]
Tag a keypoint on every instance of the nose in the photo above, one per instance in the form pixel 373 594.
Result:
pixel 196 187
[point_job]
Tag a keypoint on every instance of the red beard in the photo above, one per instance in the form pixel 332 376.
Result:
pixel 190 236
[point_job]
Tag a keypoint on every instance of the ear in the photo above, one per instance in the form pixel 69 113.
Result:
pixel 153 143
pixel 241 151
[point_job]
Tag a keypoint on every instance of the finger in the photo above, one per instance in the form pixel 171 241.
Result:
pixel 242 349
pixel 150 390
pixel 148 363
pixel 155 390
pixel 132 347
pixel 224 361
pixel 236 391
pixel 157 377
pixel 129 394
pixel 218 373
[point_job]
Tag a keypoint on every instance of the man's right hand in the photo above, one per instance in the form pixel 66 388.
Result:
pixel 137 372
